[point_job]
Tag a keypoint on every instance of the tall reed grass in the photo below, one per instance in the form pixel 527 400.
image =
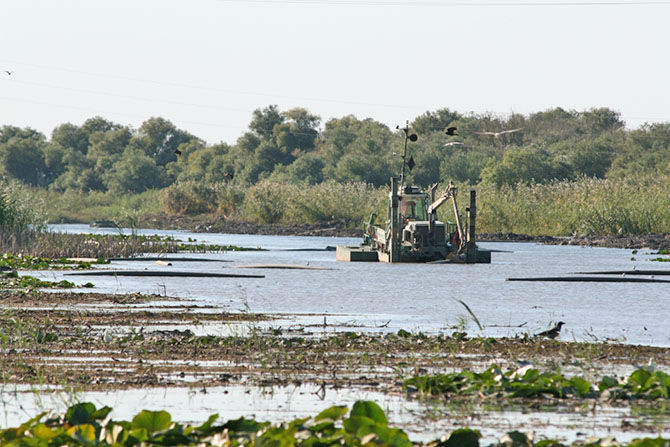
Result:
pixel 20 214
pixel 586 206
pixel 86 207
pixel 281 203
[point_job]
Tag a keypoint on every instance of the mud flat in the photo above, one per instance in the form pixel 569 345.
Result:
pixel 83 343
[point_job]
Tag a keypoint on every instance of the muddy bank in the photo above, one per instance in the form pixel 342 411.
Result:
pixel 52 343
pixel 209 223
pixel 631 241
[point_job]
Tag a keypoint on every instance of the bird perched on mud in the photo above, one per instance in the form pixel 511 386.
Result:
pixel 553 332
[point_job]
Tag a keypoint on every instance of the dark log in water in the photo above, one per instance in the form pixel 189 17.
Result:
pixel 589 279
pixel 629 272
pixel 162 274
pixel 169 259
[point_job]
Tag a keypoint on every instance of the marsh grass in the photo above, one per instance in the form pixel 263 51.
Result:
pixel 81 207
pixel 58 245
pixel 586 206
pixel 20 212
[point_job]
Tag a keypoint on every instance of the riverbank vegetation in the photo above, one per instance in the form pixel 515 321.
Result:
pixel 554 172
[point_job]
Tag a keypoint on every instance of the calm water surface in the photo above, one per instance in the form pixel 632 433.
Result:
pixel 415 297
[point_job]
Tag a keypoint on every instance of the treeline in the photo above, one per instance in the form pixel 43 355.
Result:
pixel 292 147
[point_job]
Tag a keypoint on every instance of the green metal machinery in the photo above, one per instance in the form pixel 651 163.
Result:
pixel 412 233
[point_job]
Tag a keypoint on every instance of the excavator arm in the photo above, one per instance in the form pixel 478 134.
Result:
pixel 449 193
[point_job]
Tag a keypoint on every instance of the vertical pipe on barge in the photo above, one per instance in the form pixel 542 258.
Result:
pixel 471 249
pixel 395 234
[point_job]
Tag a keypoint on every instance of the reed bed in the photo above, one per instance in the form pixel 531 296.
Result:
pixel 583 207
pixel 58 245
pixel 86 207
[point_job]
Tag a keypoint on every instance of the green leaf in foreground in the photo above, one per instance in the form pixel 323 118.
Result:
pixel 152 421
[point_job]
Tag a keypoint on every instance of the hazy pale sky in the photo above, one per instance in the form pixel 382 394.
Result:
pixel 206 65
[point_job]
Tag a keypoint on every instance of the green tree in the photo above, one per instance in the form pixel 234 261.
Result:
pixel 264 121
pixel 134 172
pixel 70 137
pixel 159 139
pixel 526 165
pixel 22 155
pixel 436 121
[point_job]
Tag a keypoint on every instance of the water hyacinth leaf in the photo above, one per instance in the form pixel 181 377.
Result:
pixel 463 437
pixel 139 435
pixel 649 442
pixel 43 432
pixel 334 413
pixel 359 426
pixel 206 427
pixel 369 409
pixel 83 432
pixel 152 421
pixel 581 386
pixel 243 425
pixel 549 443
pixel 638 379
pixel 101 413
pixel 607 382
pixel 515 439
pixel 81 413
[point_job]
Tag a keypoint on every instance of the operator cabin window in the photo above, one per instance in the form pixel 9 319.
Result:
pixel 414 209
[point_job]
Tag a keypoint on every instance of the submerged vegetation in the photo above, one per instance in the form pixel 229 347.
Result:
pixel 365 424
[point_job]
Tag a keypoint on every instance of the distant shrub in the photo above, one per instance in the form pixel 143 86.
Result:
pixel 19 212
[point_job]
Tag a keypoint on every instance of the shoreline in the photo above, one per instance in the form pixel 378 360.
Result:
pixel 342 228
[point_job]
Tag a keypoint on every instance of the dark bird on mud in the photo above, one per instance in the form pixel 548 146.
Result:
pixel 229 175
pixel 553 332
pixel 451 131
pixel 177 151
pixel 497 134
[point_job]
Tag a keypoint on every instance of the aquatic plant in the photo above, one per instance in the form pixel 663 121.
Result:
pixel 11 280
pixel 530 382
pixel 27 262
pixel 366 424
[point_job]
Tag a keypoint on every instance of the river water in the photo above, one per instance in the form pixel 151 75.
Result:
pixel 413 297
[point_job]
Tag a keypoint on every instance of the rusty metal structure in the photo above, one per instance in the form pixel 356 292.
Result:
pixel 412 233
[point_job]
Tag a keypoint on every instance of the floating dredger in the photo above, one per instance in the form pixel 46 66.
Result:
pixel 412 232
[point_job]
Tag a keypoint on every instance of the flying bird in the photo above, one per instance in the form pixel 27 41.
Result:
pixel 453 143
pixel 9 73
pixel 497 134
pixel 451 131
pixel 553 332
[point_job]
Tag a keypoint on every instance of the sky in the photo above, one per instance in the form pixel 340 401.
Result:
pixel 206 65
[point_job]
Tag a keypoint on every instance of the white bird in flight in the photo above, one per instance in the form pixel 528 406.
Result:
pixel 497 134
pixel 453 143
